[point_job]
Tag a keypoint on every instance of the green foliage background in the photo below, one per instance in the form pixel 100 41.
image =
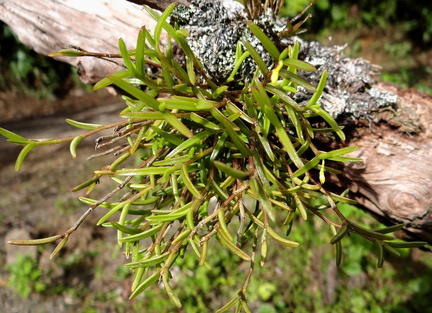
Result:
pixel 400 31
pixel 24 71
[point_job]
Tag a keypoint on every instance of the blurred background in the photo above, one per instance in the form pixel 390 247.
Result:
pixel 89 277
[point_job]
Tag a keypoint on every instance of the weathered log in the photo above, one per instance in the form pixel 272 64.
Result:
pixel 48 26
pixel 392 126
pixel 394 181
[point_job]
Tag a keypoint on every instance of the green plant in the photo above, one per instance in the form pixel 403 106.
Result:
pixel 204 159
pixel 411 78
pixel 25 276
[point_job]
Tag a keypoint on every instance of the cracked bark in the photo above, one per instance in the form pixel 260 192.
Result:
pixel 393 126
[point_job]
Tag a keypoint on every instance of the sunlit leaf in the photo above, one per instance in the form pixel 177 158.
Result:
pixel 12 137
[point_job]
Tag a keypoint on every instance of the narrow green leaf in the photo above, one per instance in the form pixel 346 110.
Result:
pixel 137 93
pixel 106 81
pixel 174 104
pixel 267 148
pixel 113 210
pixel 139 54
pixel 81 125
pixel 197 139
pixel 230 129
pixel 223 228
pixel 74 144
pixel 342 199
pixel 338 253
pixel 188 182
pixel 182 236
pixel 12 137
pixel 315 97
pixel 170 138
pixel 23 154
pixel 282 95
pixel 204 252
pixel 33 242
pixel 87 183
pixel 154 260
pixel 237 64
pixel 143 171
pixel 227 243
pixel 259 193
pixel 257 58
pixel 338 245
pixel 66 53
pixel 125 56
pixel 389 229
pixel 345 159
pixel 300 206
pixel 361 230
pixel 161 23
pixel 265 40
pixel 177 124
pixel 338 152
pixel 206 123
pixel 390 249
pixel 307 167
pixel 170 291
pixel 340 234
pixel 59 247
pixel 175 215
pixel 144 115
pixel 173 161
pixel 124 229
pixel 219 147
pixel 260 171
pixel 380 254
pixel 262 98
pixel 142 235
pixel 229 304
pixel 296 79
pixel 145 284
pixel 230 171
pixel 330 120
pixel 157 16
pixel 301 65
pixel 406 244
pixel 281 240
pixel 234 109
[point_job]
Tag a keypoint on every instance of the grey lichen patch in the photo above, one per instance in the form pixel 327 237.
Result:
pixel 349 89
pixel 214 31
pixel 215 27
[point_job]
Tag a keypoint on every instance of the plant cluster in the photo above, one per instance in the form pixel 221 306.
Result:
pixel 200 162
pixel 24 276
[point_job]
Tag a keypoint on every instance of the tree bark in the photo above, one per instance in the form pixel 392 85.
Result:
pixel 394 181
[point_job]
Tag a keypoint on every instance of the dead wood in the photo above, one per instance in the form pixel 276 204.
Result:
pixel 48 26
pixel 394 181
pixel 392 126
